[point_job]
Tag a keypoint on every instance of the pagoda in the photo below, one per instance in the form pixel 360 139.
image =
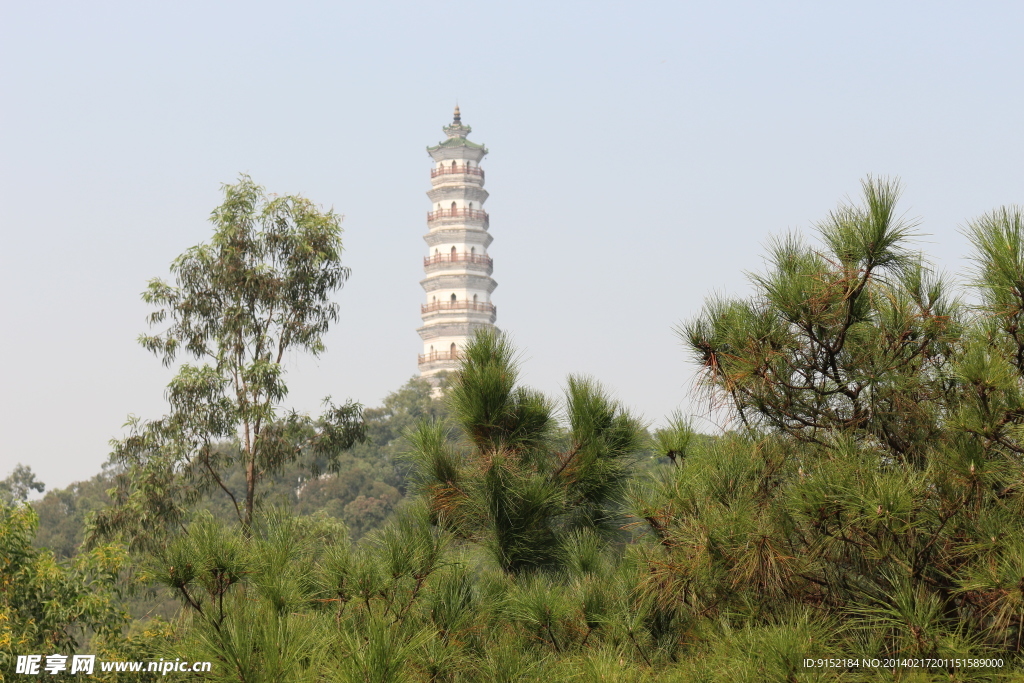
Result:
pixel 458 281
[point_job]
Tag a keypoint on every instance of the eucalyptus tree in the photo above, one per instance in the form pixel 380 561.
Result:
pixel 260 289
pixel 17 487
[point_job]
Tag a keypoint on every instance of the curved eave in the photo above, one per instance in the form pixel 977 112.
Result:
pixel 456 142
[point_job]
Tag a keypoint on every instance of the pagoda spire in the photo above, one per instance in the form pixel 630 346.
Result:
pixel 457 282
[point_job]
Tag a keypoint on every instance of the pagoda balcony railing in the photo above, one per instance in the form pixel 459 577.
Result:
pixel 472 214
pixel 439 355
pixel 464 169
pixel 464 257
pixel 481 306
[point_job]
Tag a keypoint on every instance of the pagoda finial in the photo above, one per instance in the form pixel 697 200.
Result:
pixel 456 129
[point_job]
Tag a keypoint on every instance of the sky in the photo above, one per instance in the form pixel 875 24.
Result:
pixel 641 156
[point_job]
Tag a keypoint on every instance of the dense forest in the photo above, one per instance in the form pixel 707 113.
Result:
pixel 861 519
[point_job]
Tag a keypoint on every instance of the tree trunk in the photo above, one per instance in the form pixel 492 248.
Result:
pixel 250 492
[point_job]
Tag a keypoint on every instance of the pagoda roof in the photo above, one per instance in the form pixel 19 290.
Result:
pixel 456 142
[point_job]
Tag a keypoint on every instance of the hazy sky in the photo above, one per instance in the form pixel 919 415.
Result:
pixel 641 155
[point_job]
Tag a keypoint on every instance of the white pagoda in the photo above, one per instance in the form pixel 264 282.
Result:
pixel 458 281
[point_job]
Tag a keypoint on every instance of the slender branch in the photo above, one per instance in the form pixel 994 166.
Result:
pixel 567 459
pixel 216 477
pixel 638 648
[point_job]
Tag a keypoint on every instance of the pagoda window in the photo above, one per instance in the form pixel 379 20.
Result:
pixel 454 253
pixel 453 298
pixel 453 206
pixel 454 350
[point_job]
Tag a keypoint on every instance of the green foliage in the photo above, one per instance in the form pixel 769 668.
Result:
pixel 517 486
pixel 63 514
pixel 674 440
pixel 274 606
pixel 868 502
pixel 875 485
pixel 856 336
pixel 49 606
pixel 370 478
pixel 17 486
pixel 363 493
pixel 259 288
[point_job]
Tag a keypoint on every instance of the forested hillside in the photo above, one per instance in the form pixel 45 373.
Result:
pixel 369 483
